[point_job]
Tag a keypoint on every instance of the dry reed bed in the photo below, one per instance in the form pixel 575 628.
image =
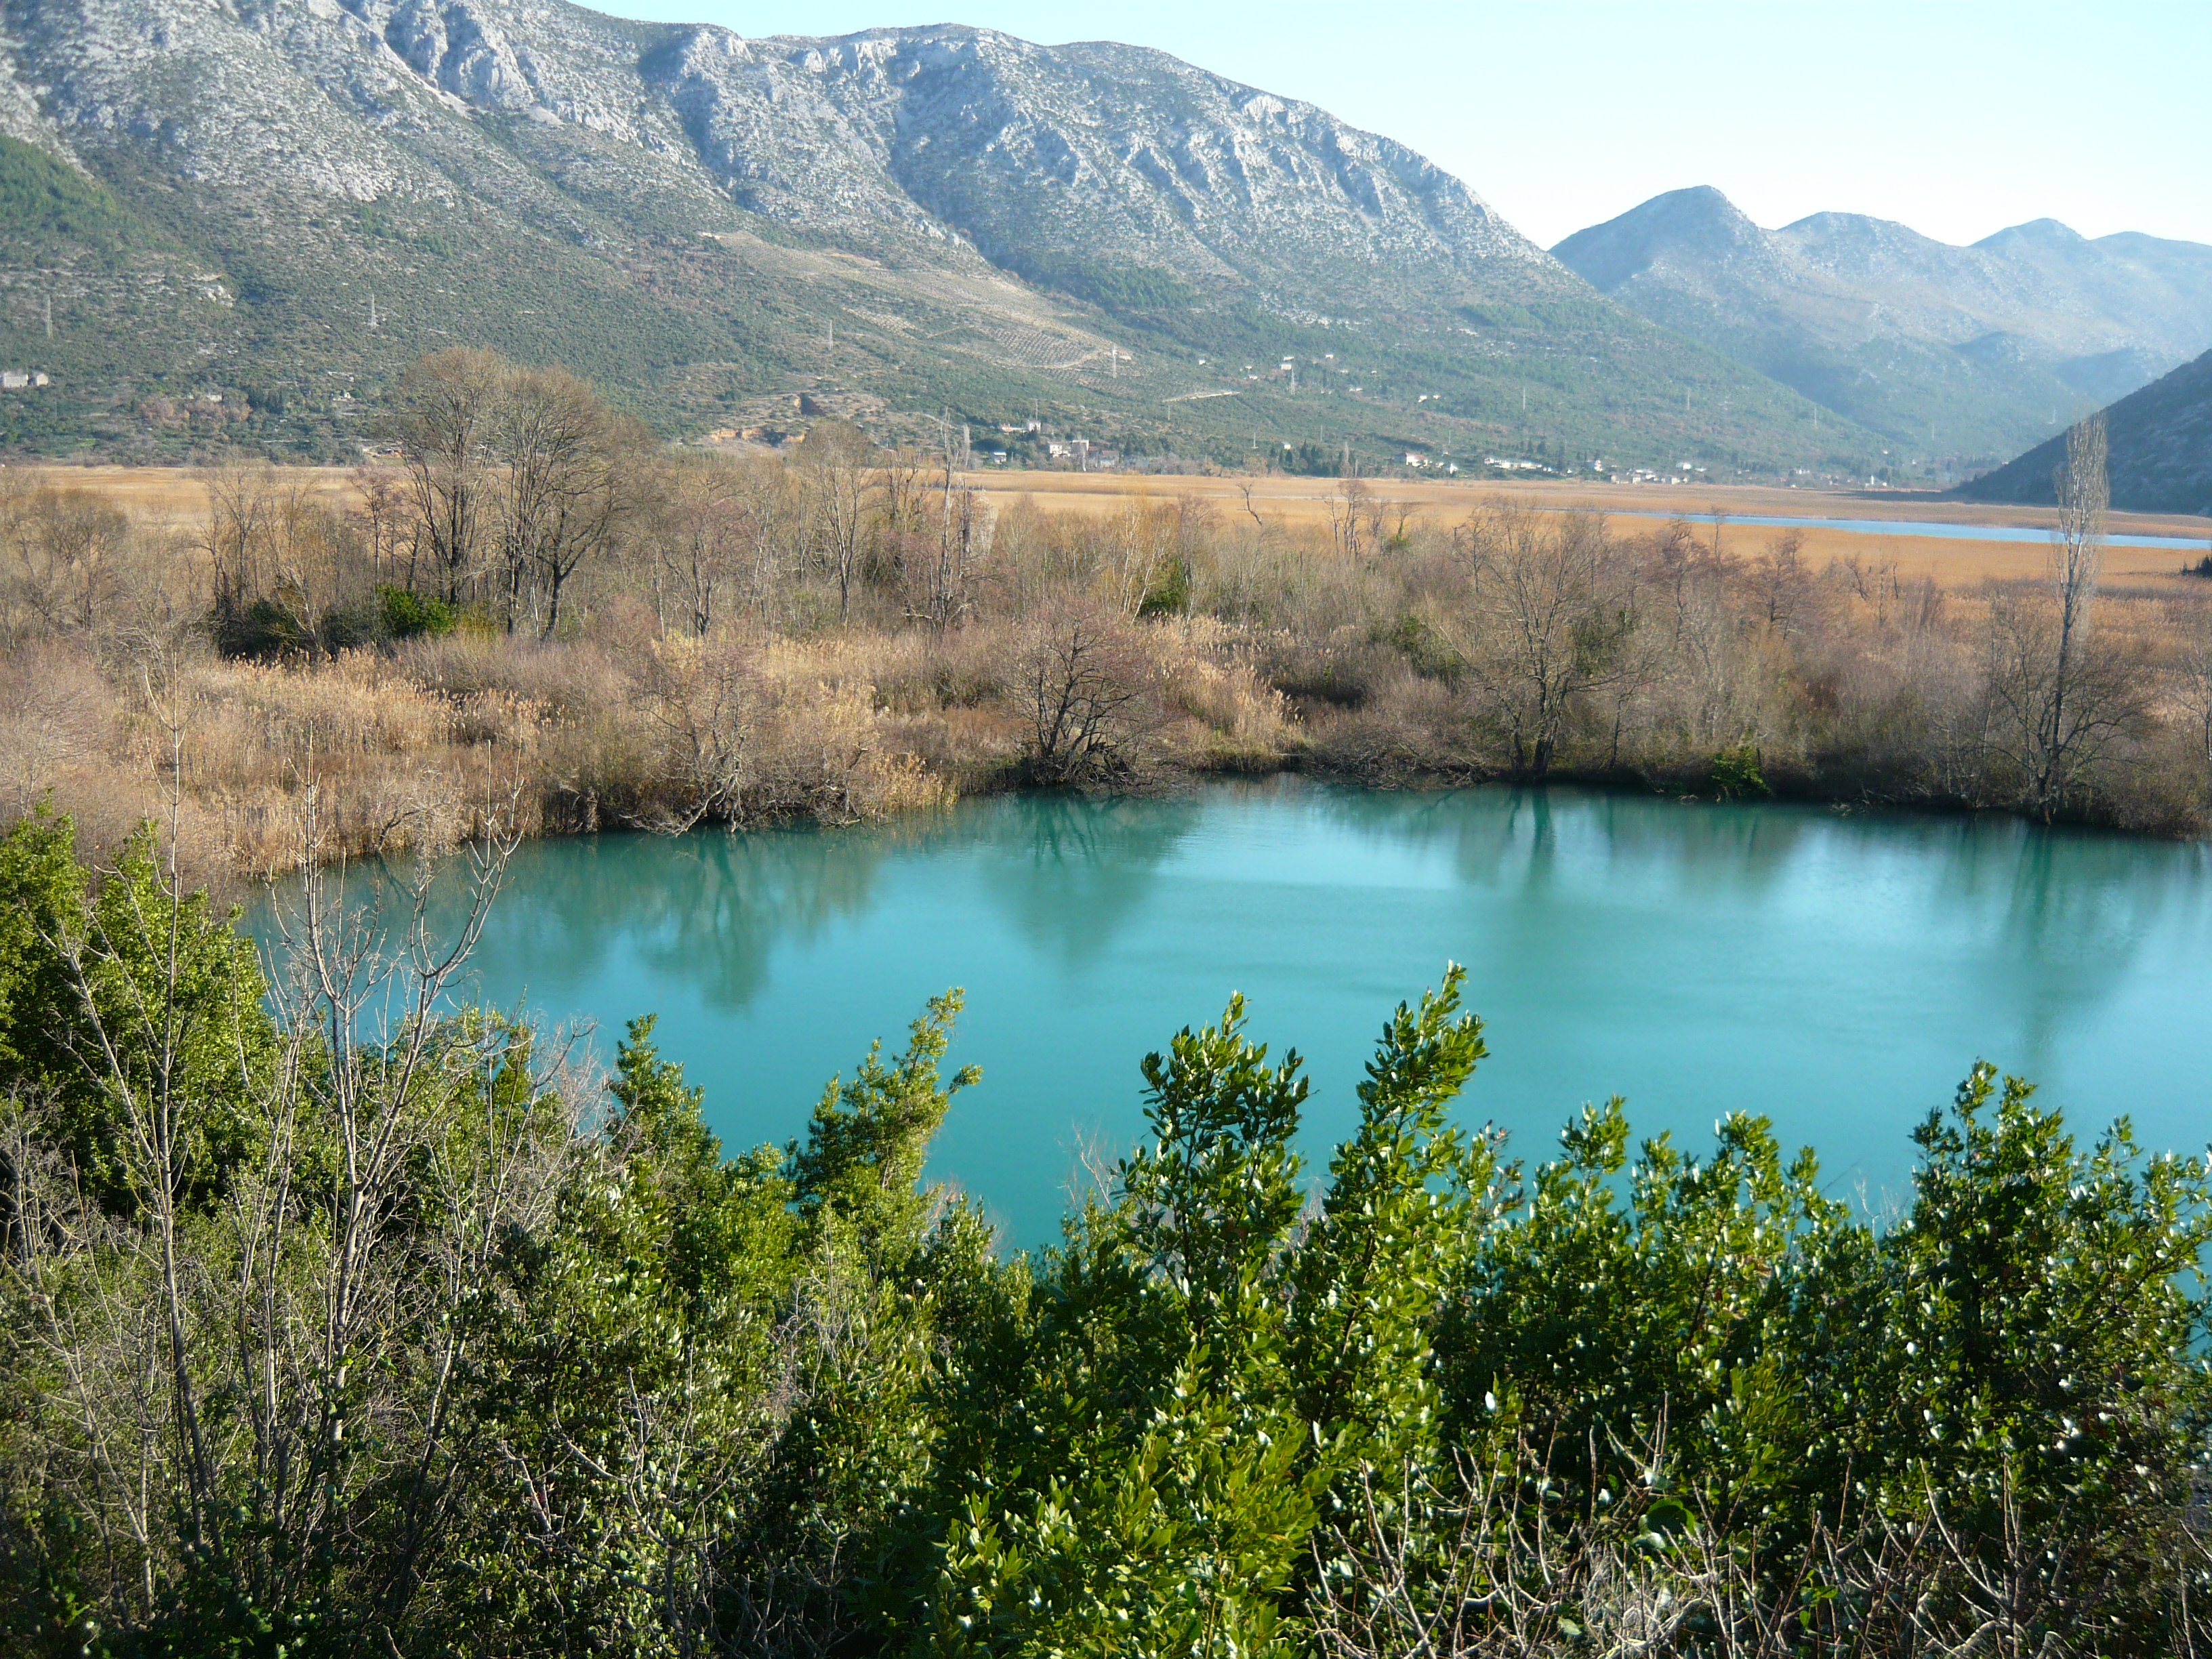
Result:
pixel 1360 636
pixel 418 749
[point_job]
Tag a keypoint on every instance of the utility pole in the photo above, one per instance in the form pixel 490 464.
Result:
pixel 50 316
pixel 372 311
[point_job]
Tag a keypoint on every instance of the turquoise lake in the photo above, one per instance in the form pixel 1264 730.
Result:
pixel 1837 973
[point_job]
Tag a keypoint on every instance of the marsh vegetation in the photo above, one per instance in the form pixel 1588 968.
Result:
pixel 531 615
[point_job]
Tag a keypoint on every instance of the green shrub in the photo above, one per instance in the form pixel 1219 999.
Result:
pixel 624 1393
pixel 1736 775
pixel 407 615
pixel 1170 593
pixel 266 628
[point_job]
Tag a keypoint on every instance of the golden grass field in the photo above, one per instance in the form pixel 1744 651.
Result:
pixel 1952 563
pixel 174 496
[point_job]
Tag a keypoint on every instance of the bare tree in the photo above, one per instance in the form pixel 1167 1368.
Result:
pixel 2078 559
pixel 1549 612
pixel 242 505
pixel 835 458
pixel 445 408
pixel 1355 518
pixel 902 481
pixel 774 520
pixel 1788 594
pixel 1139 541
pixel 386 523
pixel 1081 681
pixel 703 524
pixel 2061 692
pixel 285 562
pixel 62 554
pixel 963 536
pixel 701 696
pixel 568 469
pixel 1714 678
pixel 1406 524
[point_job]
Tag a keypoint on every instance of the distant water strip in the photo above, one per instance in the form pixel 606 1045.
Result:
pixel 2029 535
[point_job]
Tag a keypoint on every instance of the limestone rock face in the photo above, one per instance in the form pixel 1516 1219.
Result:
pixel 898 224
pixel 1037 158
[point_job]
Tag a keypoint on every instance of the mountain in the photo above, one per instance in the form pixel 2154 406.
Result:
pixel 2159 443
pixel 1951 352
pixel 238 218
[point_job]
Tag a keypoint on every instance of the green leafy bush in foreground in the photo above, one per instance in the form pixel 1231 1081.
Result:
pixel 441 1344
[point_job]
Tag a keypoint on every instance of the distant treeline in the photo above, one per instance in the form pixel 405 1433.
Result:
pixel 534 614
pixel 336 1322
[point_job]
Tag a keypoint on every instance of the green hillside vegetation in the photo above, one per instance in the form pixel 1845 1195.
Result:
pixel 42 198
pixel 192 318
pixel 2162 451
pixel 443 1345
pixel 692 335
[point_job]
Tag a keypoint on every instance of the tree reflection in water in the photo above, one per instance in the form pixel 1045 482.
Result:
pixel 1839 972
pixel 1072 870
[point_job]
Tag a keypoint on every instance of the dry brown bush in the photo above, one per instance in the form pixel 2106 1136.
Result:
pixel 72 565
pixel 1086 683
pixel 394 767
pixel 701 671
pixel 567 681
pixel 57 720
pixel 1408 730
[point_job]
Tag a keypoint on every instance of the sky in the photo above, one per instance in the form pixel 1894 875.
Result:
pixel 1955 117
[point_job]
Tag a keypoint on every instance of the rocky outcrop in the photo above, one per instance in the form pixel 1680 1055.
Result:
pixel 1042 159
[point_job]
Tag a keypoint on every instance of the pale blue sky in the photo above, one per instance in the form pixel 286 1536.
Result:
pixel 1954 116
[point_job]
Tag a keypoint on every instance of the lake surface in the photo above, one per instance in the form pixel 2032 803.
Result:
pixel 1839 974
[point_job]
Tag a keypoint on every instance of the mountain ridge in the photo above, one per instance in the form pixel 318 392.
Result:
pixel 894 224
pixel 2159 440
pixel 1950 350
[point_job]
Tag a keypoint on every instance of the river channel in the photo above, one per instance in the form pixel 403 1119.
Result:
pixel 1836 973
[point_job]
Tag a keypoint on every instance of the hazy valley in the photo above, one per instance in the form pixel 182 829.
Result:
pixel 1961 356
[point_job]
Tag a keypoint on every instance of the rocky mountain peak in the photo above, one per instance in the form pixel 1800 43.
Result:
pixel 1699 222
pixel 720 225
pixel 1980 347
pixel 2042 233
